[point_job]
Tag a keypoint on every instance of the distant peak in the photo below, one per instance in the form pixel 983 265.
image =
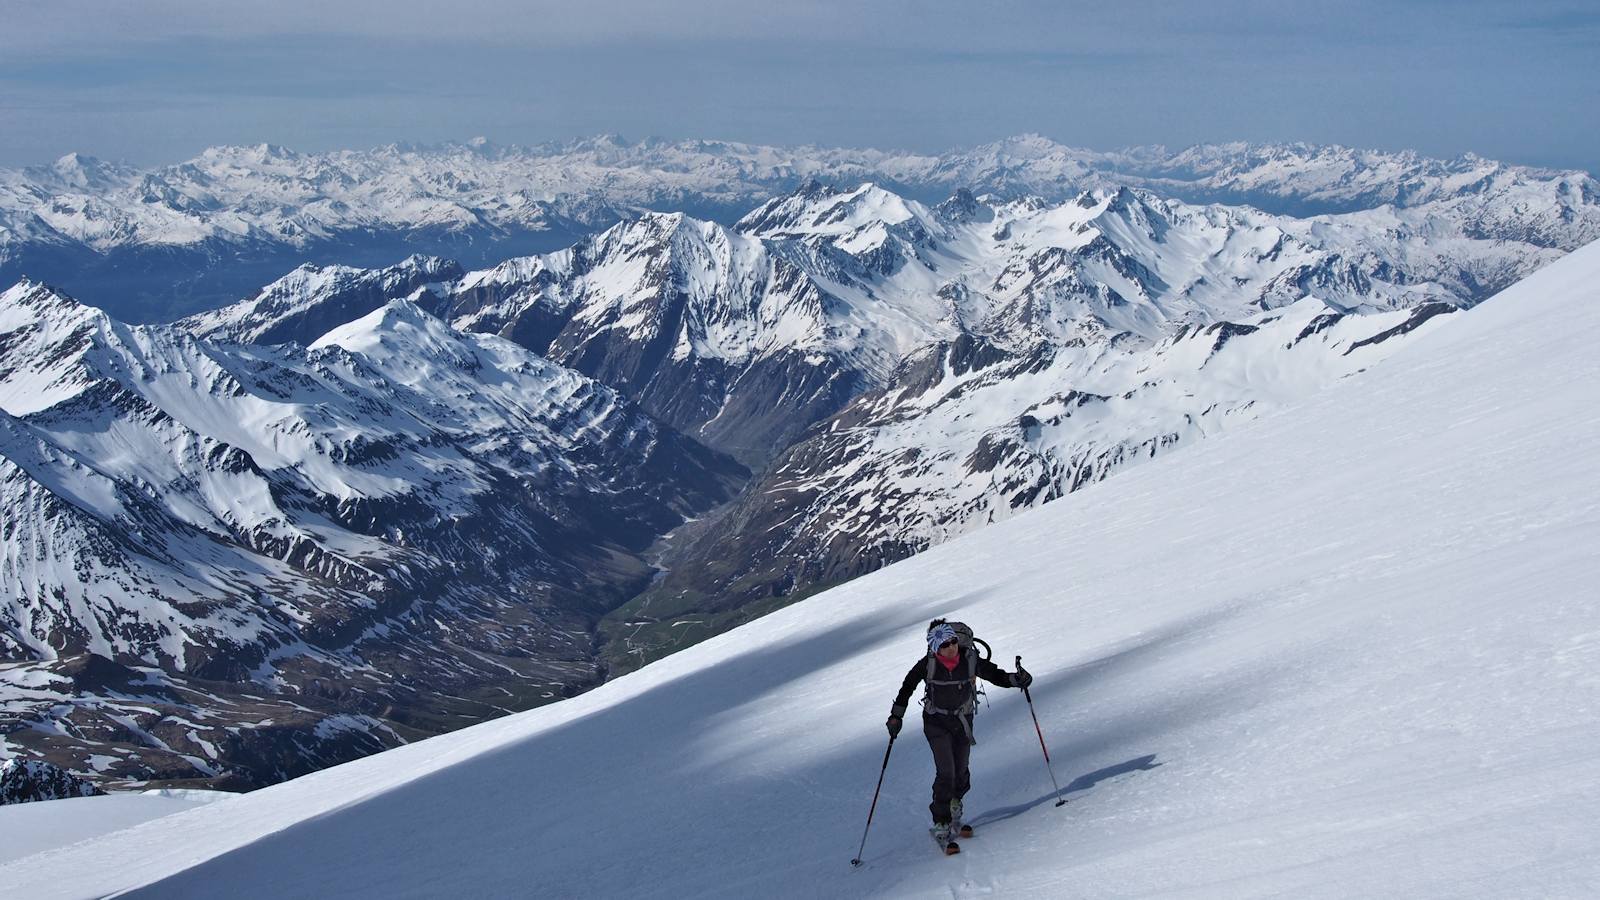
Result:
pixel 35 300
pixel 403 311
pixel 962 206
pixel 871 189
pixel 812 189
pixel 1028 144
pixel 1031 139
pixel 429 265
pixel 600 142
pixel 75 160
pixel 85 171
pixel 396 316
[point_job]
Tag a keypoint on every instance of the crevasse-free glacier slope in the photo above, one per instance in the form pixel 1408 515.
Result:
pixel 1349 650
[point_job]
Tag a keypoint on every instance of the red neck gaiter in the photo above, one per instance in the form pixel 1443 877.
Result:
pixel 949 664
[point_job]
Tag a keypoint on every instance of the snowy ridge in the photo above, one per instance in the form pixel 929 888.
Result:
pixel 819 294
pixel 1345 651
pixel 703 327
pixel 1116 261
pixel 968 434
pixel 734 303
pixel 304 304
pixel 273 517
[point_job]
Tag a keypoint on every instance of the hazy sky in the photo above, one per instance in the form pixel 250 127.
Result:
pixel 156 81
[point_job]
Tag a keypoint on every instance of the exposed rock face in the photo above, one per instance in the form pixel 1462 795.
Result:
pixel 24 781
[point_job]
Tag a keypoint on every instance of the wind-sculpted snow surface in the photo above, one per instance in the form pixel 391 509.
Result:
pixel 1345 651
pixel 176 239
pixel 347 543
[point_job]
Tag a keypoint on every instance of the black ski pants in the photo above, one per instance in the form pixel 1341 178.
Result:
pixel 951 750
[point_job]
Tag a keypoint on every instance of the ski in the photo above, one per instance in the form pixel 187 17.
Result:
pixel 943 842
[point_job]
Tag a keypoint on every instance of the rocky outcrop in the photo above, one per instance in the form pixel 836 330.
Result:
pixel 25 781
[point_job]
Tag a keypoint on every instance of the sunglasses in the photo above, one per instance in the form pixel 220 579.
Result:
pixel 950 643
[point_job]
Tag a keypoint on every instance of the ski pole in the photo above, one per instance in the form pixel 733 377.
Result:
pixel 1060 801
pixel 857 860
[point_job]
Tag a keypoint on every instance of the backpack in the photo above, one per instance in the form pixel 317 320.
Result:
pixel 969 643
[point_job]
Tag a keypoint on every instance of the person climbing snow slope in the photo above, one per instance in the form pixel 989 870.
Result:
pixel 949 675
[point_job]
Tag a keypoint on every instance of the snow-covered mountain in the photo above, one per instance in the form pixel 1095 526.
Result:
pixel 702 326
pixel 968 434
pixel 1113 263
pixel 242 562
pixel 1345 651
pixel 306 303
pixel 240 510
pixel 933 337
pixel 747 335
pixel 161 242
pixel 942 331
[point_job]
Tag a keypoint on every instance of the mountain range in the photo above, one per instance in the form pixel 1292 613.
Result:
pixel 364 505
pixel 1348 651
pixel 245 562
pixel 161 242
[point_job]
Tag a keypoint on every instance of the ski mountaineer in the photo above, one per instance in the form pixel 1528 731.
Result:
pixel 949 674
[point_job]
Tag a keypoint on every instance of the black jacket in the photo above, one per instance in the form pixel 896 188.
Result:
pixel 950 689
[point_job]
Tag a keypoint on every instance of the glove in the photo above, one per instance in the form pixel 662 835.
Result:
pixel 1021 678
pixel 894 724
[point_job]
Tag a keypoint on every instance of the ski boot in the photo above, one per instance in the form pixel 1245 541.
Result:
pixel 943 836
pixel 958 828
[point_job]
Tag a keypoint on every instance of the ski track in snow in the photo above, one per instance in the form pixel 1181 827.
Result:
pixel 1349 650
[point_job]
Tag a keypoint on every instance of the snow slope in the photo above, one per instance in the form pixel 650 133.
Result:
pixel 32 827
pixel 1350 650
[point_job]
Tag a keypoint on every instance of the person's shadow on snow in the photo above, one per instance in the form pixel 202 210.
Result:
pixel 1081 783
